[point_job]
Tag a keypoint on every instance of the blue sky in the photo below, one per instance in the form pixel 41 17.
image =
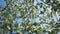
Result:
pixel 2 3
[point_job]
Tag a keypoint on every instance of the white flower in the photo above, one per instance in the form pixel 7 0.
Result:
pixel 49 10
pixel 55 19
pixel 58 0
pixel 21 27
pixel 20 32
pixel 34 26
pixel 44 26
pixel 41 9
pixel 41 15
pixel 35 3
pixel 8 27
pixel 35 29
pixel 29 31
pixel 34 33
pixel 48 20
pixel 49 30
pixel 37 20
pixel 38 7
pixel 27 26
pixel 57 14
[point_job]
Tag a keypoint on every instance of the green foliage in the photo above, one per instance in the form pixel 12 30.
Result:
pixel 38 16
